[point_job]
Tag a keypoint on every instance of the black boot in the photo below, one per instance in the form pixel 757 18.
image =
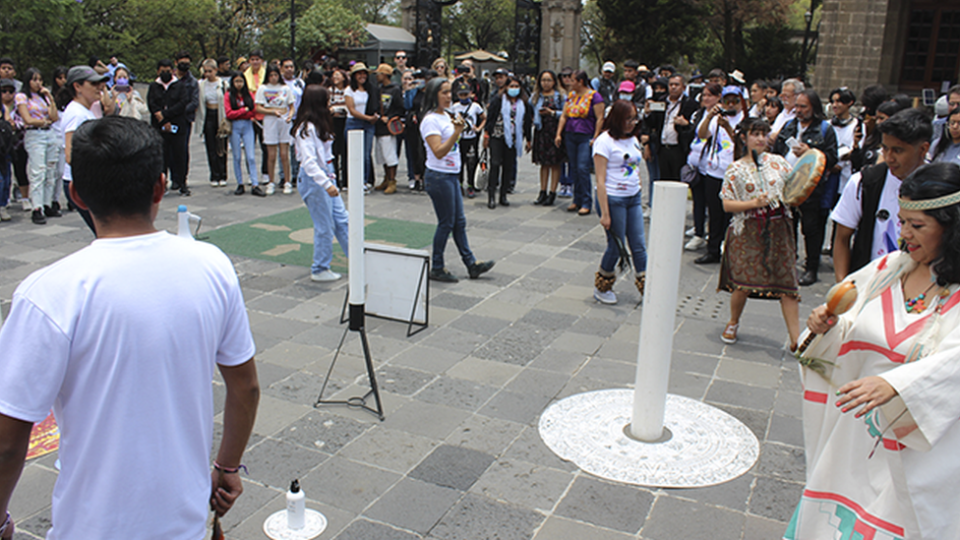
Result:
pixel 503 196
pixel 542 198
pixel 551 197
pixel 491 199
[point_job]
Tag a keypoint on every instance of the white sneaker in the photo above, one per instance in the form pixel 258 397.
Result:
pixel 325 276
pixel 366 189
pixel 265 179
pixel 270 188
pixel 4 214
pixel 413 184
pixel 223 183
pixel 214 183
pixel 287 188
pixel 692 231
pixel 646 213
pixel 26 205
pixel 695 243
pixel 605 297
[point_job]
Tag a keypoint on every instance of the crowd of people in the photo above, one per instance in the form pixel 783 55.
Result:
pixel 885 207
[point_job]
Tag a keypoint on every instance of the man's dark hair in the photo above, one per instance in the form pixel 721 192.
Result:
pixel 911 126
pixel 288 59
pixel 631 64
pixel 955 89
pixel 181 55
pixel 871 98
pixel 116 164
pixel 256 52
pixel 222 60
pixel 315 76
pixel 717 72
pixel 165 62
pixel 667 67
pixel 815 103
pixel 761 84
pixel 845 94
pixel 930 182
pixel 903 100
pixel 683 80
pixel 891 107
pixel 7 61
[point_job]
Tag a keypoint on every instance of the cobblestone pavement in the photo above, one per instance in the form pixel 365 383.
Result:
pixel 459 455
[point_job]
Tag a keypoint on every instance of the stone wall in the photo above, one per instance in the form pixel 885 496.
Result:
pixel 860 44
pixel 560 34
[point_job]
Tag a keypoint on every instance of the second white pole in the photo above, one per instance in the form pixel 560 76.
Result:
pixel 358 293
pixel 659 310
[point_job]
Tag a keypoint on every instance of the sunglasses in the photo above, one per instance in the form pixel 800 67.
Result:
pixel 7 90
pixel 400 57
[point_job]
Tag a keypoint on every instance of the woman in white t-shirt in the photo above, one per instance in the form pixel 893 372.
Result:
pixel 363 101
pixel 617 157
pixel 275 102
pixel 85 88
pixel 442 180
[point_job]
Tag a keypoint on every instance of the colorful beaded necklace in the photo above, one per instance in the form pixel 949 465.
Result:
pixel 917 304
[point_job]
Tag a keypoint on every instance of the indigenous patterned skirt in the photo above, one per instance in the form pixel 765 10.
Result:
pixel 761 260
pixel 545 152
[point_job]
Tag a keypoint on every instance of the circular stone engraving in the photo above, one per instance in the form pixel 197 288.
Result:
pixel 708 446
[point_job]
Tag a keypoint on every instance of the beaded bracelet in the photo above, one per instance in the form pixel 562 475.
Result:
pixel 6 524
pixel 227 470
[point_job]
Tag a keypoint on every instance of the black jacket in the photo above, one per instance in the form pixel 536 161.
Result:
pixel 820 136
pixel 170 102
pixel 493 113
pixel 653 124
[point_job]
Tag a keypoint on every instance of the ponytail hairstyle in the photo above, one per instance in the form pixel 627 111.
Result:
pixel 744 128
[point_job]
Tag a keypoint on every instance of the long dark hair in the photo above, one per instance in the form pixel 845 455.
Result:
pixel 929 182
pixel 59 92
pixel 27 77
pixel 617 119
pixel 314 109
pixel 241 96
pixel 431 93
pixel 745 127
pixel 355 85
pixel 538 90
pixel 945 140
pixel 272 69
pixel 815 103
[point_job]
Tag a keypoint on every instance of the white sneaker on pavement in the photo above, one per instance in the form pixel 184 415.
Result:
pixel 4 214
pixel 605 297
pixel 271 189
pixel 26 205
pixel 695 243
pixel 692 231
pixel 287 188
pixel 325 276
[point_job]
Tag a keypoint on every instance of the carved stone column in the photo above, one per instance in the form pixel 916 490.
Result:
pixel 560 34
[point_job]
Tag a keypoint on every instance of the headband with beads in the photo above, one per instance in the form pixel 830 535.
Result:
pixel 930 204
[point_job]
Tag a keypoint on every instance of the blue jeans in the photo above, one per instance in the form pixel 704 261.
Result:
pixel 444 191
pixel 367 127
pixel 653 169
pixel 626 220
pixel 243 139
pixel 578 153
pixel 329 218
pixel 565 174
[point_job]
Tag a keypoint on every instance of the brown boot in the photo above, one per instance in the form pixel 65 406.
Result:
pixel 602 287
pixel 383 185
pixel 391 187
pixel 641 281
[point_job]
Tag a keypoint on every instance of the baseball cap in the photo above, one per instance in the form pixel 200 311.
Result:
pixel 85 73
pixel 941 108
pixel 501 71
pixel 728 90
pixel 627 87
pixel 462 88
pixel 385 69
pixel 609 66
pixel 661 82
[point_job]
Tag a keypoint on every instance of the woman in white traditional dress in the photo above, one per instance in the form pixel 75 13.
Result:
pixel 881 385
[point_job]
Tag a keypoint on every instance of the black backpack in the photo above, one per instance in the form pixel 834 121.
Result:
pixel 8 139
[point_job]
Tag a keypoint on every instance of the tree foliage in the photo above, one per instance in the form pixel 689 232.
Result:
pixel 479 24
pixel 656 31
pixel 324 26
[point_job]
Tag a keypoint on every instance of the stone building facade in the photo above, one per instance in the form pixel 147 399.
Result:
pixel 906 45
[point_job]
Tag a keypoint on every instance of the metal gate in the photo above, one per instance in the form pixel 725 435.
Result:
pixel 428 32
pixel 526 53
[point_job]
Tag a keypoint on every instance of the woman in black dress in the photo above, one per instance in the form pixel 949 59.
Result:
pixel 548 100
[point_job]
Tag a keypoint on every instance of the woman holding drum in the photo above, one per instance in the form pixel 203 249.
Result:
pixel 880 384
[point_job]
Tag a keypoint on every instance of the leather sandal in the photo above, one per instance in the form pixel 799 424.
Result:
pixel 729 334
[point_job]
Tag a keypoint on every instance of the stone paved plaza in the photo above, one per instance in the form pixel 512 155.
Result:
pixel 459 456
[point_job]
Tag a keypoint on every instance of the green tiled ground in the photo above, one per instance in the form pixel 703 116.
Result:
pixel 287 237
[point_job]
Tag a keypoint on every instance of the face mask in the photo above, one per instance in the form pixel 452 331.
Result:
pixel 659 96
pixel 513 92
pixel 166 76
pixel 184 66
pixel 626 97
pixel 465 101
pixel 123 82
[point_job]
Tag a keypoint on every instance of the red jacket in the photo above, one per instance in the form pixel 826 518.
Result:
pixel 241 113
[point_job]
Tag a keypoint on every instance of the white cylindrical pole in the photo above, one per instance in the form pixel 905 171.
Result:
pixel 659 310
pixel 355 208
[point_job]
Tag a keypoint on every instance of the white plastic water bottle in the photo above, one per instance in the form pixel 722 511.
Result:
pixel 183 222
pixel 296 507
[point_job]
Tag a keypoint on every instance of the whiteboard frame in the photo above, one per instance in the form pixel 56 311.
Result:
pixel 420 302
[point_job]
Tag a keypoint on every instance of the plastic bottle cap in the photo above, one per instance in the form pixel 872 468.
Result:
pixel 295 486
pixel 182 208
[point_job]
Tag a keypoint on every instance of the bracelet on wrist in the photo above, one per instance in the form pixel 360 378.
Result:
pixel 6 524
pixel 228 470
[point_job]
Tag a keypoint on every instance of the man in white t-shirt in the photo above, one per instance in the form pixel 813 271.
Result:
pixel 789 90
pixel 868 205
pixel 125 359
